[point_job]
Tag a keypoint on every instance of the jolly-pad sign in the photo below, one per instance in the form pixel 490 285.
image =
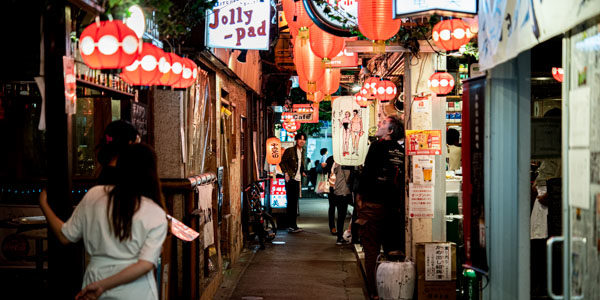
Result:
pixel 238 24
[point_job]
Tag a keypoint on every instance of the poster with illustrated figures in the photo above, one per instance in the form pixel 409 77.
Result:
pixel 350 130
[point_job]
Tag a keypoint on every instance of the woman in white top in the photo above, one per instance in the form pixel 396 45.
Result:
pixel 123 228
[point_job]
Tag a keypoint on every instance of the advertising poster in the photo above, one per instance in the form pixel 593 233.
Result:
pixel 424 169
pixel 278 195
pixel 424 142
pixel 349 130
pixel 420 201
pixel 239 24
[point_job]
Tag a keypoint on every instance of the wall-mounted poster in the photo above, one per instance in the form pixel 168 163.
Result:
pixel 424 142
pixel 349 130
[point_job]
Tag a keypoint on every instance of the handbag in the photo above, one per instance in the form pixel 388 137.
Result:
pixel 332 177
pixel 323 186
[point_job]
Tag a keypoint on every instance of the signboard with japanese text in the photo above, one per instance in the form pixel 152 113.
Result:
pixel 424 142
pixel 346 58
pixel 239 24
pixel 70 85
pixel 306 113
pixel 438 262
pixel 420 197
pixel 278 195
pixel 457 8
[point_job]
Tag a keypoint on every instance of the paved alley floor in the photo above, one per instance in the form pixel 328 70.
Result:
pixel 305 265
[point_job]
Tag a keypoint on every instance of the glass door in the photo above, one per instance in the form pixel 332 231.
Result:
pixel 581 189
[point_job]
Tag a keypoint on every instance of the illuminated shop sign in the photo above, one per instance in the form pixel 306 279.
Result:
pixel 238 24
pixel 456 8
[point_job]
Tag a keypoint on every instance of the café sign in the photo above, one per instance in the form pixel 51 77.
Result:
pixel 454 8
pixel 239 24
pixel 306 113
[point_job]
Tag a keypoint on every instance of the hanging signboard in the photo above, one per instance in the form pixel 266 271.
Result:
pixel 306 113
pixel 345 59
pixel 455 8
pixel 238 24
pixel 506 28
pixel 349 127
pixel 424 142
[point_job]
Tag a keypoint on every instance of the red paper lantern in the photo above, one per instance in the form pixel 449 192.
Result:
pixel 325 45
pixel 273 150
pixel 297 17
pixel 451 34
pixel 330 82
pixel 108 45
pixel 316 96
pixel 558 74
pixel 375 22
pixel 441 83
pixel 386 91
pixel 189 74
pixel 144 70
pixel 369 88
pixel 361 101
pixel 170 67
pixel 308 65
pixel 289 123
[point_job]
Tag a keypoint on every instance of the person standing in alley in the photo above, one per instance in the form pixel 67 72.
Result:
pixel 292 165
pixel 380 197
pixel 123 227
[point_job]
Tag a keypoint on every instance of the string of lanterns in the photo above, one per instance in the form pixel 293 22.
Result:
pixel 112 45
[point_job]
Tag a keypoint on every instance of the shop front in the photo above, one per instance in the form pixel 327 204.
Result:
pixel 541 171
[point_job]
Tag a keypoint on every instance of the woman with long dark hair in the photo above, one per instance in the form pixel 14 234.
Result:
pixel 118 135
pixel 123 227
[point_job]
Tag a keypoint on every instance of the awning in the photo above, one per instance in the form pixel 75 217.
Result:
pixel 509 27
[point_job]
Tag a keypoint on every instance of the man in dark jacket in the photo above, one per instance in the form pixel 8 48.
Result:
pixel 380 197
pixel 292 165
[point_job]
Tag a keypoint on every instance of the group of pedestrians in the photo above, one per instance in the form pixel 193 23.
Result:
pixel 122 220
pixel 376 192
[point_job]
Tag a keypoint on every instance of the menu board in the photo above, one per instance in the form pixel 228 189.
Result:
pixel 420 201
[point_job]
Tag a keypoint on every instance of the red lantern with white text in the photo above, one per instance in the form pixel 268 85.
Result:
pixel 188 74
pixel 376 22
pixel 451 34
pixel 170 67
pixel 441 83
pixel 273 151
pixel 558 74
pixel 144 70
pixel 386 91
pixel 108 45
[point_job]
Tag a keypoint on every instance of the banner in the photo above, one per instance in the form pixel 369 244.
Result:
pixel 349 130
pixel 238 24
pixel 424 142
pixel 509 27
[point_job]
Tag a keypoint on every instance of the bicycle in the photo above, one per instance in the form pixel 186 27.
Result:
pixel 261 223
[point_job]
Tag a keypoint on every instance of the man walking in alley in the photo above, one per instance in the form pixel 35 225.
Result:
pixel 292 165
pixel 380 197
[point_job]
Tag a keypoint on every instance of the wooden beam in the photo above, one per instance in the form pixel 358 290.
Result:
pixel 367 46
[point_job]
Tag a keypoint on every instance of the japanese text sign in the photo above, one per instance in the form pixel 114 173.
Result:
pixel 420 200
pixel 239 24
pixel 278 194
pixel 438 262
pixel 424 142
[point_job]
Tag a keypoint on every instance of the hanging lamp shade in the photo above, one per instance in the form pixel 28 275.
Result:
pixel 108 45
pixel 361 101
pixel 189 74
pixel 369 88
pixel 376 23
pixel 330 82
pixel 558 74
pixel 289 123
pixel 297 17
pixel 273 150
pixel 170 67
pixel 324 44
pixel 316 96
pixel 308 65
pixel 386 91
pixel 441 83
pixel 145 69
pixel 451 34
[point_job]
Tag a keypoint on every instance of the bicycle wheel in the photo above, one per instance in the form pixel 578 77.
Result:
pixel 269 227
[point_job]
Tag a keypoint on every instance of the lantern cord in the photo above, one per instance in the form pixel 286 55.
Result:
pixel 437 52
pixel 170 46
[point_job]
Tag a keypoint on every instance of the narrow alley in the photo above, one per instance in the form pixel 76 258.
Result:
pixel 305 265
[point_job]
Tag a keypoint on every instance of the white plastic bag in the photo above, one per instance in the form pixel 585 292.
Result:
pixel 539 221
